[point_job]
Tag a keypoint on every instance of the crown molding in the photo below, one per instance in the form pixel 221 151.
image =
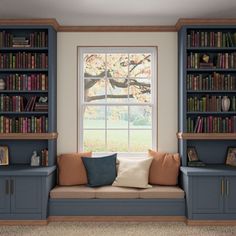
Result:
pixel 117 29
pixel 204 21
pixel 50 21
pixel 155 28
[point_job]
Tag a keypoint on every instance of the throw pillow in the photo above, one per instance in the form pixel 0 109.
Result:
pixel 164 169
pixel 71 169
pixel 133 173
pixel 100 170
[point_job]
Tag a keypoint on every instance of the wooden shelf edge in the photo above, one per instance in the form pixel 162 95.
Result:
pixel 206 136
pixel 35 136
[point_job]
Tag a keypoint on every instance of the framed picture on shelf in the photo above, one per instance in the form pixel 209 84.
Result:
pixel 192 154
pixel 4 159
pixel 231 156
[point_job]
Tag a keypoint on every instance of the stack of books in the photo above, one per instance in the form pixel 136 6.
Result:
pixel 41 106
pixel 20 42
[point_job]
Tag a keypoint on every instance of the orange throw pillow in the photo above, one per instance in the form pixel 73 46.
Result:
pixel 71 170
pixel 164 169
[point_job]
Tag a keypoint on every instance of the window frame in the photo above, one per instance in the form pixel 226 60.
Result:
pixel 80 93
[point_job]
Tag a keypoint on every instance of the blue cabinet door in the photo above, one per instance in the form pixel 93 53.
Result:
pixel 208 194
pixel 26 195
pixel 230 194
pixel 4 195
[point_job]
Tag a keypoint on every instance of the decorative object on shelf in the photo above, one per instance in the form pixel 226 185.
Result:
pixel 4 158
pixel 192 154
pixel 2 84
pixel 43 99
pixel 35 159
pixel 231 156
pixel 205 58
pixel 225 103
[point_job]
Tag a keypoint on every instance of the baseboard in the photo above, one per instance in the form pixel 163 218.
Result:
pixel 23 222
pixel 211 222
pixel 117 218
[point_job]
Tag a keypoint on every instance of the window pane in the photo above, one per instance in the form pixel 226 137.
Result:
pixel 140 117
pixel 94 90
pixel 117 90
pixel 94 140
pixel 140 65
pixel 140 140
pixel 117 65
pixel 94 65
pixel 117 140
pixel 117 117
pixel 140 90
pixel 94 117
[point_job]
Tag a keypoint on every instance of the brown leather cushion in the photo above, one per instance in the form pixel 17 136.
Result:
pixel 164 169
pixel 71 170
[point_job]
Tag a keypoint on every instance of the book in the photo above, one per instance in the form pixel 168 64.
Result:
pixel 196 163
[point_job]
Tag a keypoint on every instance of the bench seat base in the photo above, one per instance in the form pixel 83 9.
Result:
pixel 117 207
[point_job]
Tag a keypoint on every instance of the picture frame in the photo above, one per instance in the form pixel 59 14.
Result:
pixel 4 156
pixel 192 154
pixel 231 156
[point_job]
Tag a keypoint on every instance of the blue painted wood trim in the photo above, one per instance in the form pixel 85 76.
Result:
pixel 117 207
pixel 20 216
pixel 26 170
pixel 211 170
pixel 221 216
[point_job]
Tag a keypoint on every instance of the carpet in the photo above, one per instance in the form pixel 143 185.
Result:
pixel 117 229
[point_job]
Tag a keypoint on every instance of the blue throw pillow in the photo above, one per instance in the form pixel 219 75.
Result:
pixel 100 170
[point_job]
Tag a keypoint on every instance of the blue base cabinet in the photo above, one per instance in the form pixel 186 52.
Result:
pixel 210 192
pixel 24 192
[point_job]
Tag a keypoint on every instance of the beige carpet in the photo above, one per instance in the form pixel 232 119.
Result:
pixel 117 229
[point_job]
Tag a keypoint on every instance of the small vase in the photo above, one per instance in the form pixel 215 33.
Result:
pixel 225 103
pixel 2 84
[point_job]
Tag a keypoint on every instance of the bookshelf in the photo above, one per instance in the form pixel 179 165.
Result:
pixel 28 99
pixel 206 120
pixel 207 78
pixel 27 118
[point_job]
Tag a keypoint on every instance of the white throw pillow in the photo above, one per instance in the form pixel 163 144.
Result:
pixel 133 173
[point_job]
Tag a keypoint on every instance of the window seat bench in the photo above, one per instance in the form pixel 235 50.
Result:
pixel 116 201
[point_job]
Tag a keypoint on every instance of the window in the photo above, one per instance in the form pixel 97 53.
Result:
pixel 117 99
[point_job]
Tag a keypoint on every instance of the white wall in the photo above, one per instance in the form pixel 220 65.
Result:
pixel 167 81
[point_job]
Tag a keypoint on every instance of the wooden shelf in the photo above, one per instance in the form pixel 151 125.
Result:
pixel 34 136
pixel 206 136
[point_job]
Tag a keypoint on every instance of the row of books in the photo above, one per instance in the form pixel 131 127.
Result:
pixel 31 124
pixel 211 124
pixel 26 82
pixel 20 104
pixel 208 103
pixel 213 81
pixel 218 60
pixel 23 60
pixel 33 39
pixel 211 39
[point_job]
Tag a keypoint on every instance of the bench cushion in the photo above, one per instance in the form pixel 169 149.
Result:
pixel 81 191
pixel 169 192
pixel 162 192
pixel 116 192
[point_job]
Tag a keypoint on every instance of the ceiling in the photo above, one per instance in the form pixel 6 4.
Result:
pixel 117 12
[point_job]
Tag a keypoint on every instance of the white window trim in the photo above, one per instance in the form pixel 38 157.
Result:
pixel 80 92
